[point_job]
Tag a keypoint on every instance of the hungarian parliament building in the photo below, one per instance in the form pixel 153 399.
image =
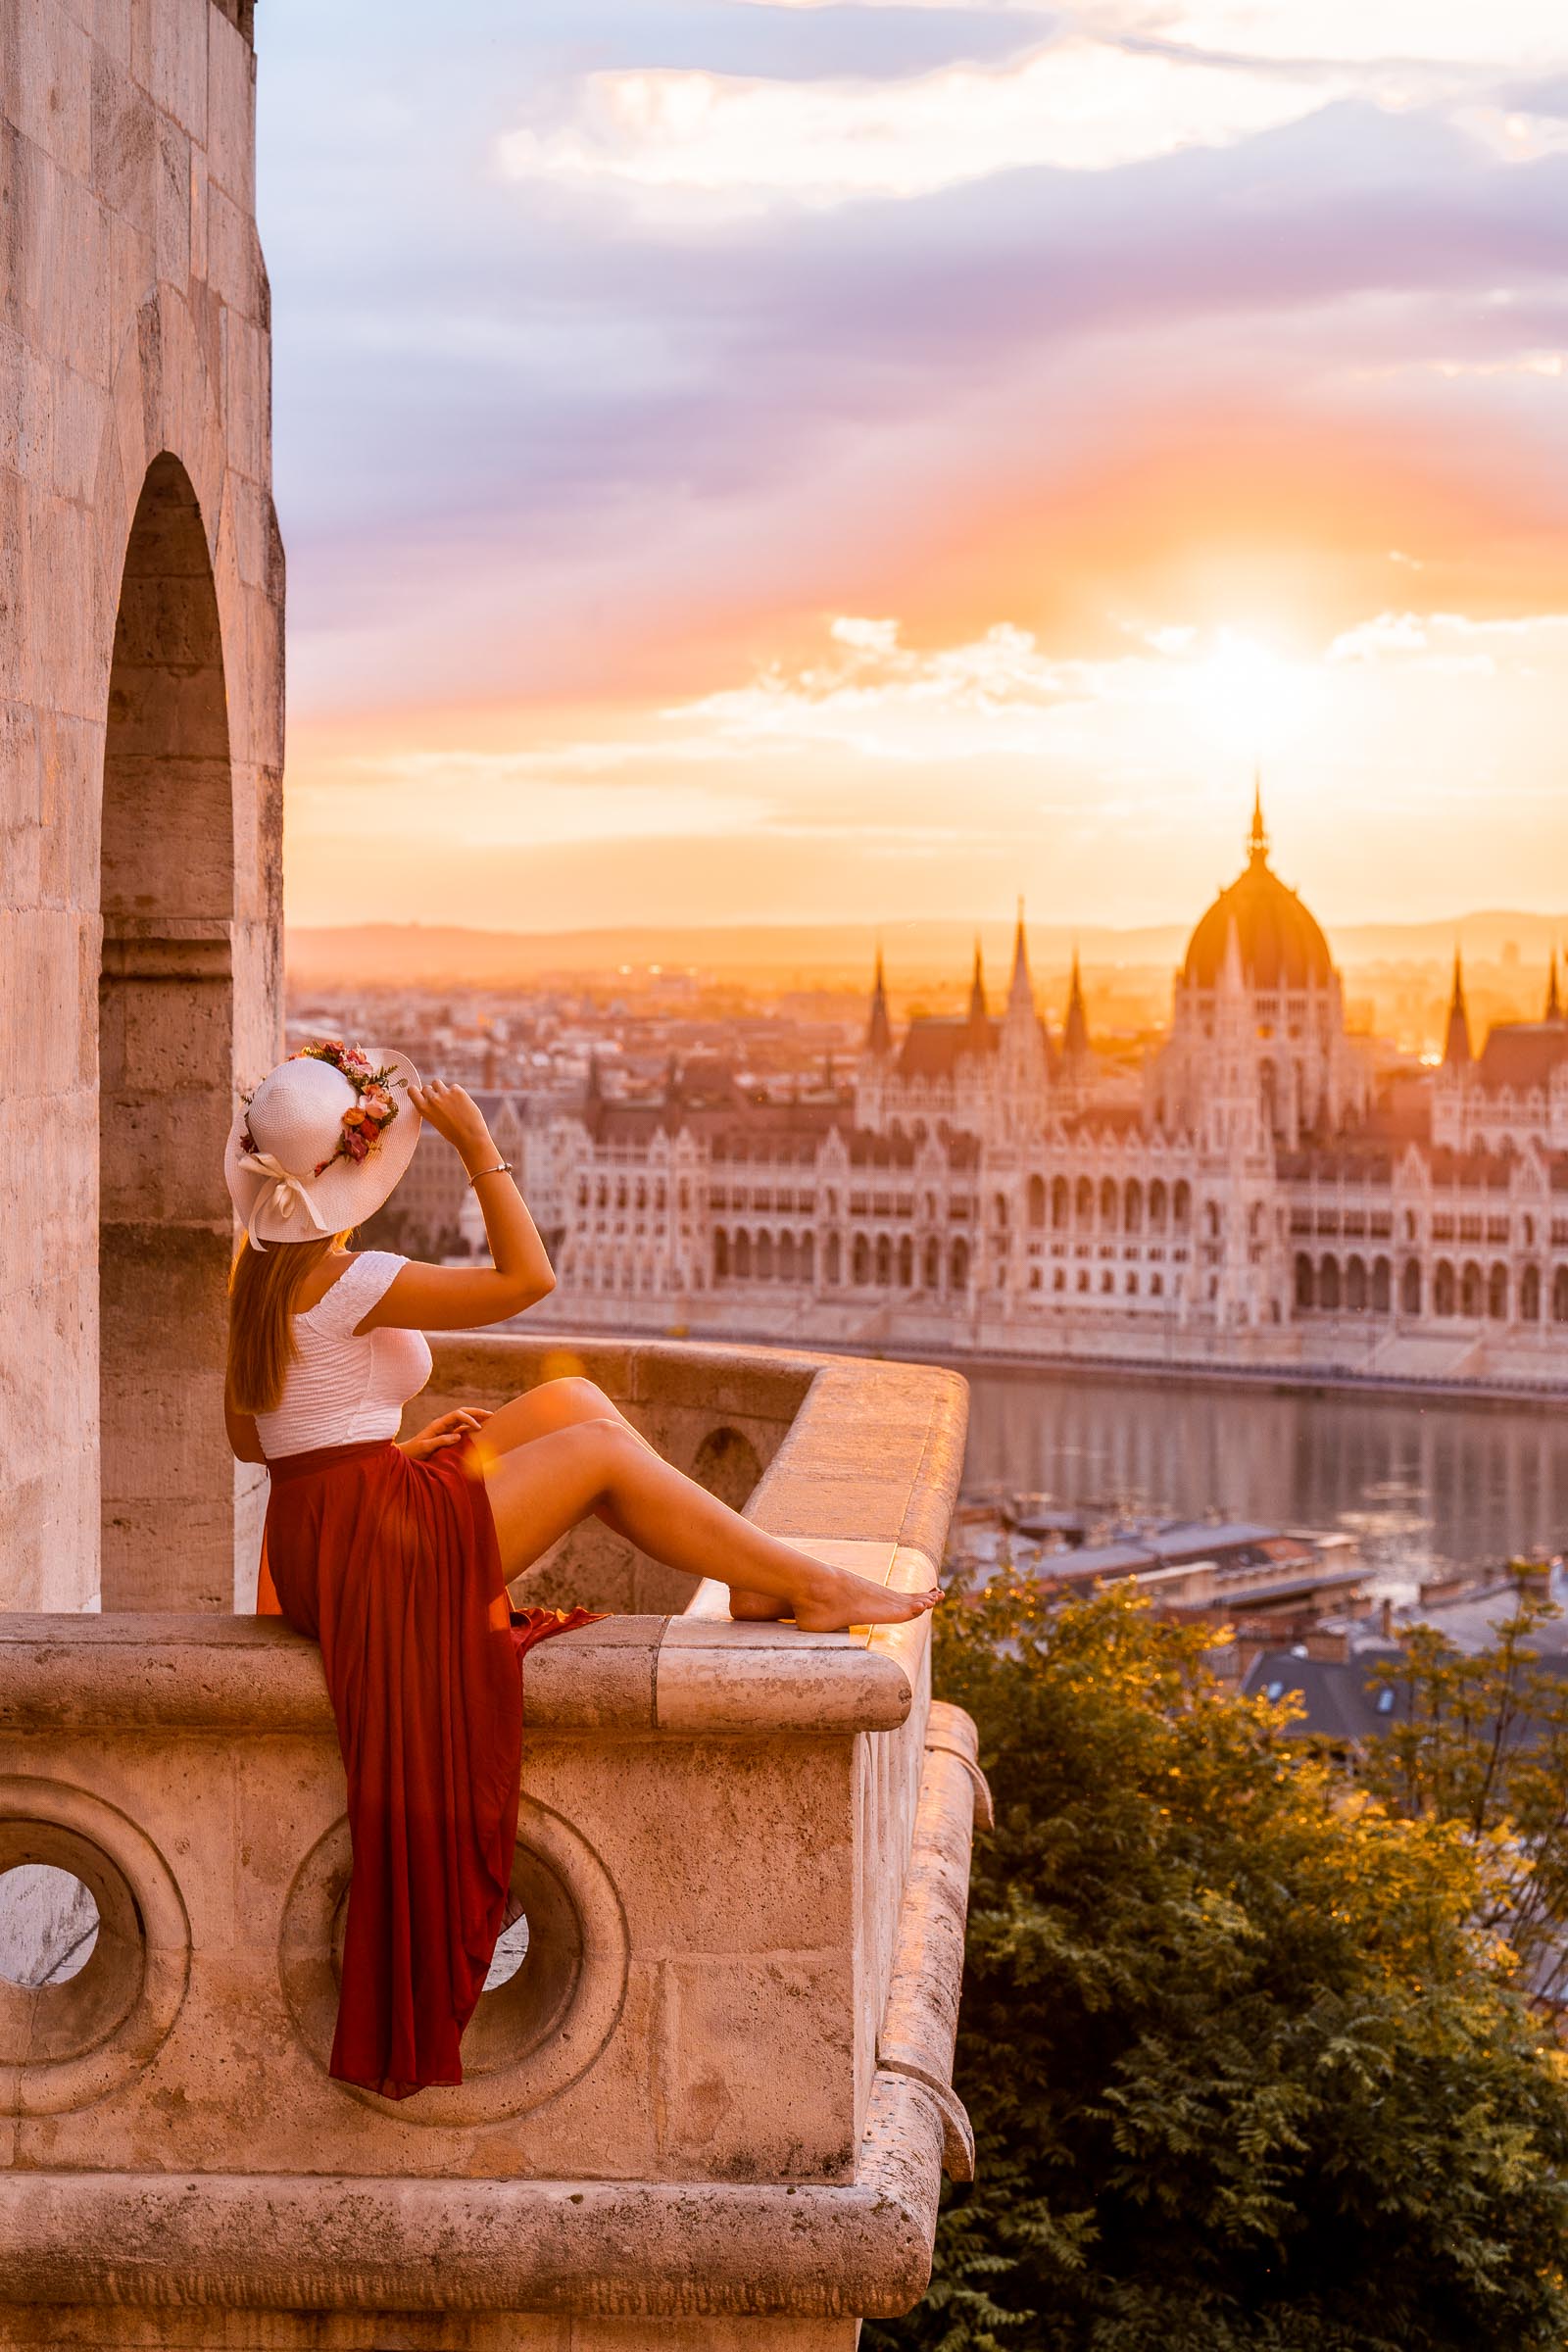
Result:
pixel 985 1187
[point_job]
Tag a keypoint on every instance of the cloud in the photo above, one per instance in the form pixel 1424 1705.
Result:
pixel 1525 31
pixel 1521 33
pixel 1453 642
pixel 1074 104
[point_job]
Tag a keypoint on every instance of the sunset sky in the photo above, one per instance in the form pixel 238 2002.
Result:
pixel 744 460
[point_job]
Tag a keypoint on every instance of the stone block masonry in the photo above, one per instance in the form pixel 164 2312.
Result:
pixel 712 2107
pixel 141 713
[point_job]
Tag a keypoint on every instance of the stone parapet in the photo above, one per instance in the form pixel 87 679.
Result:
pixel 718 2089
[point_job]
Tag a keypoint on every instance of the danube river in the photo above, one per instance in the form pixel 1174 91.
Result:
pixel 1426 1488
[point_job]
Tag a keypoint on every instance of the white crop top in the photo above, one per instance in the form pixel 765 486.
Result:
pixel 341 1390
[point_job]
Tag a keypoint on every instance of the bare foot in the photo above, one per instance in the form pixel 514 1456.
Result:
pixel 837 1601
pixel 755 1608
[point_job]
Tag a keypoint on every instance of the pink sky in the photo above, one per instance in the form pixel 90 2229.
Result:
pixel 745 460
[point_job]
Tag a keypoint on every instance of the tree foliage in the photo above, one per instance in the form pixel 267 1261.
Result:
pixel 1483 1744
pixel 1243 2071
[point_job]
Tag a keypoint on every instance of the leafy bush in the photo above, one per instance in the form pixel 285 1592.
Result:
pixel 1243 2071
pixel 1482 1740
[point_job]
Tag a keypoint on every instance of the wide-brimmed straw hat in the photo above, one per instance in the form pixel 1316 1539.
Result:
pixel 322 1141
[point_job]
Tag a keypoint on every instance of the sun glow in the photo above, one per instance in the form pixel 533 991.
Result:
pixel 1246 698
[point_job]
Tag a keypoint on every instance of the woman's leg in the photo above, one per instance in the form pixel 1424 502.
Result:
pixel 569 1404
pixel 553 1404
pixel 540 1490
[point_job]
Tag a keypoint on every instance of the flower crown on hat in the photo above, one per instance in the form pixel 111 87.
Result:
pixel 368 1115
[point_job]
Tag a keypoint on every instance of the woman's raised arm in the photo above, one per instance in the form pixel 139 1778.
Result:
pixel 454 1297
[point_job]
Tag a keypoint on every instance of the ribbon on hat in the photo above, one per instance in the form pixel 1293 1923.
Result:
pixel 288 1194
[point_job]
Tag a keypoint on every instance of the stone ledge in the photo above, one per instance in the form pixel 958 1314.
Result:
pixel 634 2248
pixel 144 1670
pixel 920 2021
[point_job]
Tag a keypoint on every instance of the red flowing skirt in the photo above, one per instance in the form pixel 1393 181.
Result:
pixel 392 1565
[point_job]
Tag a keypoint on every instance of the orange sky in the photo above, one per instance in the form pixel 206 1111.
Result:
pixel 778 462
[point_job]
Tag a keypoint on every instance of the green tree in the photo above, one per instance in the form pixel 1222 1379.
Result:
pixel 1242 2069
pixel 1482 1743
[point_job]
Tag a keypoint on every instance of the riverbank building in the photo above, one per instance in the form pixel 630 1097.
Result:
pixel 989 1184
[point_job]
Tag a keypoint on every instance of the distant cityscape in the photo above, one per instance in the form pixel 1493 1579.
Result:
pixel 1259 1182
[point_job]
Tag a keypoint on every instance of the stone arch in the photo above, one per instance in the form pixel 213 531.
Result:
pixel 1530 1295
pixel 1328 1285
pixel 1132 1212
pixel 743 1256
pixel 165 1062
pixel 1498 1292
pixel 1181 1212
pixel 884 1260
pixel 786 1257
pixel 726 1464
pixel 1084 1200
pixel 1355 1285
pixel 764 1257
pixel 1109 1203
pixel 1443 1288
pixel 959 1264
pixel 1560 1296
pixel 721 1255
pixel 1382 1285
pixel 1306 1284
pixel 905 1264
pixel 1037 1201
pixel 861 1259
pixel 1471 1290
pixel 1410 1287
pixel 831 1259
pixel 933 1264
pixel 1156 1205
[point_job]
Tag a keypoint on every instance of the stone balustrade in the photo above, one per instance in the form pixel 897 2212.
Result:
pixel 712 2106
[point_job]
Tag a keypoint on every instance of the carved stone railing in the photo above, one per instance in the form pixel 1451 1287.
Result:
pixel 712 2106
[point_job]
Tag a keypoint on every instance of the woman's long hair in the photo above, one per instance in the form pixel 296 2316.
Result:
pixel 263 1286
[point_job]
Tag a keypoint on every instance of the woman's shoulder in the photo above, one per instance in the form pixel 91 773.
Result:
pixel 365 1279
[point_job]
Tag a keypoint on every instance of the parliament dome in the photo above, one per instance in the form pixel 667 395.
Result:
pixel 1282 945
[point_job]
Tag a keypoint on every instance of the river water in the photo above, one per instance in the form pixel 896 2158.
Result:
pixel 1427 1488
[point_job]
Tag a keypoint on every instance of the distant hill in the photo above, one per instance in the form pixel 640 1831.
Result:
pixel 427 955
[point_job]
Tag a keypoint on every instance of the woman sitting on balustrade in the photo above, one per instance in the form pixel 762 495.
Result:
pixel 395 1557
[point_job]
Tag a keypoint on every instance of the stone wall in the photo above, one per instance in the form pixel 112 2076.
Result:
pixel 714 2104
pixel 142 592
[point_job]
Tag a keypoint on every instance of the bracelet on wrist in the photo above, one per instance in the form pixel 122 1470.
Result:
pixel 502 1167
